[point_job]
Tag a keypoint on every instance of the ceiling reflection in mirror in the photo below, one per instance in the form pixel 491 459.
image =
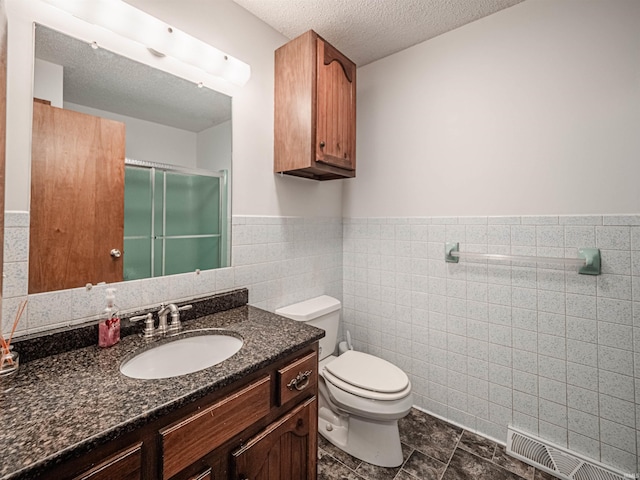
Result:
pixel 173 191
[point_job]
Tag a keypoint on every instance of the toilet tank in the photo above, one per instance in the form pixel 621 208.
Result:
pixel 322 312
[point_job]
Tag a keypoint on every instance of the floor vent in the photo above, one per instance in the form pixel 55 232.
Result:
pixel 556 460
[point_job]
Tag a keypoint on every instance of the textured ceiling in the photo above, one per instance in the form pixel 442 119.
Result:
pixel 106 81
pixel 367 30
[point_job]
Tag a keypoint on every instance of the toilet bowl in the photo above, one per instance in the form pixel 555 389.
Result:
pixel 361 397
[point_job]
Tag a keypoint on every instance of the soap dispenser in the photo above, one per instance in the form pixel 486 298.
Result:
pixel 109 328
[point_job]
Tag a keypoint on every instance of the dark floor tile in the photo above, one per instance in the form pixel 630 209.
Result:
pixel 373 472
pixel 539 475
pixel 349 460
pixel 476 444
pixel 428 434
pixel 423 467
pixel 331 469
pixel 402 475
pixel 467 466
pixel 512 464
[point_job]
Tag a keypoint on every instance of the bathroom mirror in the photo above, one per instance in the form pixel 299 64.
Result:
pixel 98 217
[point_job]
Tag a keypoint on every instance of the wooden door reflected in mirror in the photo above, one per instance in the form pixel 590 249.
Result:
pixel 77 199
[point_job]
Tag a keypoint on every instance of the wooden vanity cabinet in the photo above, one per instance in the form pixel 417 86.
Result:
pixel 261 427
pixel 315 110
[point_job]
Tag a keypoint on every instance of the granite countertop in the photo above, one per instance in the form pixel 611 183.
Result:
pixel 76 400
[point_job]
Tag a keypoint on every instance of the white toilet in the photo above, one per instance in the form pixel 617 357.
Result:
pixel 362 397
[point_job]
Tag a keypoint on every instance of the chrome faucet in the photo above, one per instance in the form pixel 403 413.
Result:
pixel 163 326
pixel 175 325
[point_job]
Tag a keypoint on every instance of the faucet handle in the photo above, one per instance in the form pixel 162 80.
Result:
pixel 176 325
pixel 148 324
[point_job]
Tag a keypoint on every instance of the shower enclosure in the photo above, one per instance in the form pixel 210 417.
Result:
pixel 175 220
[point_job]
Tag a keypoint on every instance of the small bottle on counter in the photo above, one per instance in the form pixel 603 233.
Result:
pixel 109 328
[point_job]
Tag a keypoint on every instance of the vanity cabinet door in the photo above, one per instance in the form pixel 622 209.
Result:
pixel 286 449
pixel 124 465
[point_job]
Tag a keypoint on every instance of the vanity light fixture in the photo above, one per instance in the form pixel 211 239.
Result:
pixel 158 37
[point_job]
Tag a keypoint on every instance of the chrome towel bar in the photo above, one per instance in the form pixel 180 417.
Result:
pixel 588 259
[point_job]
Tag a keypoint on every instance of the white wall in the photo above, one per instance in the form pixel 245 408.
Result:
pixel 532 110
pixel 149 141
pixel 214 147
pixel 47 82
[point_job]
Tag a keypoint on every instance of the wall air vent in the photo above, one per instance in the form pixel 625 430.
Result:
pixel 556 460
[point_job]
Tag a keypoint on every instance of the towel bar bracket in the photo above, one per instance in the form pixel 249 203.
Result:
pixel 592 261
pixel 451 247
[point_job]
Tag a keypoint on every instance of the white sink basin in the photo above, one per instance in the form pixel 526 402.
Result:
pixel 187 354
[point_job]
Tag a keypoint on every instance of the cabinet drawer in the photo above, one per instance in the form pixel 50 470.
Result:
pixel 193 437
pixel 125 465
pixel 297 378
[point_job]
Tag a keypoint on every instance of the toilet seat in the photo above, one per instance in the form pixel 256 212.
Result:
pixel 366 376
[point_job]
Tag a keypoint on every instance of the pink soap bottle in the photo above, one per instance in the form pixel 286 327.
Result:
pixel 109 328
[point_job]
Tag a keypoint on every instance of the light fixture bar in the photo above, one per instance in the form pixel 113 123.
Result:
pixel 134 24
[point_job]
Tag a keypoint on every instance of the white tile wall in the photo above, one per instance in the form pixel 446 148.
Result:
pixel 485 345
pixel 550 351
pixel 281 260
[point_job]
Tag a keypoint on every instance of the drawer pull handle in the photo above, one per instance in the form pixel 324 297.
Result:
pixel 301 381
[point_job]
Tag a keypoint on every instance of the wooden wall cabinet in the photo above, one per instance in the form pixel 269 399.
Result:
pixel 261 428
pixel 315 110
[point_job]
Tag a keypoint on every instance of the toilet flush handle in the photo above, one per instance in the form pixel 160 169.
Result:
pixel 300 382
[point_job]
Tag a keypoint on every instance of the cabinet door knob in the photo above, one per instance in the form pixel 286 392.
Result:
pixel 115 253
pixel 322 144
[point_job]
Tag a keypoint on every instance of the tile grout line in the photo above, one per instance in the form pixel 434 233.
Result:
pixel 343 464
pixel 452 454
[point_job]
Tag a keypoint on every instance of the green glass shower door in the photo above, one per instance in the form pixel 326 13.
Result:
pixel 174 222
pixel 192 223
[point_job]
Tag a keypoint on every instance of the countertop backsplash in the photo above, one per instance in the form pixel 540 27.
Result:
pixel 53 342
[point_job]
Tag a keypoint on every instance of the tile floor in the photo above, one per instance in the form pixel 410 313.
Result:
pixel 433 450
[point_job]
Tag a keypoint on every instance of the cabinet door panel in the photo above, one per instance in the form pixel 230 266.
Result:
pixel 336 108
pixel 285 449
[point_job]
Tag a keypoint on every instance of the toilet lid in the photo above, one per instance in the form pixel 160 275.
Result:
pixel 368 372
